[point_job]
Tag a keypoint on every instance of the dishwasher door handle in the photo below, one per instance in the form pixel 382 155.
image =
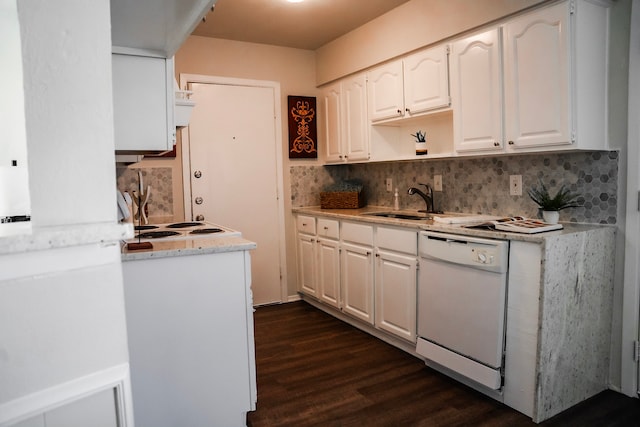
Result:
pixel 446 239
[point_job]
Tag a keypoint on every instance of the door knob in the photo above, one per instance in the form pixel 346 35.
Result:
pixel 199 200
pixel 197 174
pixel 200 217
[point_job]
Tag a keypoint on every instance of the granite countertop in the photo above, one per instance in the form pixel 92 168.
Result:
pixel 24 237
pixel 197 246
pixel 430 225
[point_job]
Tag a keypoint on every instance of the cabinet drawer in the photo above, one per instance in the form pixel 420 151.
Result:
pixel 357 233
pixel 328 228
pixel 396 239
pixel 306 224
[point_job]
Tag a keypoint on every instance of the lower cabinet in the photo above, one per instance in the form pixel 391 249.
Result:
pixel 396 287
pixel 367 272
pixel 357 281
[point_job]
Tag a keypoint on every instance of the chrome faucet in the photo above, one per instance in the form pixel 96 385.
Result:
pixel 428 197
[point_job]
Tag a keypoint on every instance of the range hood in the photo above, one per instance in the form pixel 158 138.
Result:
pixel 184 106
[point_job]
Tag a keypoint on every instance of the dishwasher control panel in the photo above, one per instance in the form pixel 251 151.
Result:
pixel 486 254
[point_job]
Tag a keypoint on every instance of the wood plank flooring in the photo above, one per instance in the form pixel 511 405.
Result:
pixel 315 370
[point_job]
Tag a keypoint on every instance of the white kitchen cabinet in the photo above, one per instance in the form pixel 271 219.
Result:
pixel 409 86
pixel 551 89
pixel 537 78
pixel 346 125
pixel 328 262
pixel 396 281
pixel 307 265
pixel 357 271
pixel 476 92
pixel 143 103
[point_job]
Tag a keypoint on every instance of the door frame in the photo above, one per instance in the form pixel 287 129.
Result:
pixel 185 79
pixel 630 370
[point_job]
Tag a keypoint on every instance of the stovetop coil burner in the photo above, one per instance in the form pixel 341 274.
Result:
pixel 184 224
pixel 157 234
pixel 206 231
pixel 144 227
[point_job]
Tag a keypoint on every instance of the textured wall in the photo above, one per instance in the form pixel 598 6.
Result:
pixel 160 203
pixel 479 185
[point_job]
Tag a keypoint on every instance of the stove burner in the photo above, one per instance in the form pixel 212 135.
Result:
pixel 206 231
pixel 184 224
pixel 144 227
pixel 157 234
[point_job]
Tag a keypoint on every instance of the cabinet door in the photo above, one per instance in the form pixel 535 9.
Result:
pixel 537 70
pixel 331 96
pixel 143 103
pixel 357 281
pixel 476 92
pixel 396 287
pixel 385 91
pixel 307 264
pixel 329 271
pixel 426 80
pixel 355 122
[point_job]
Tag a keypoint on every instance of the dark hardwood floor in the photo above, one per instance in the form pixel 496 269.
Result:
pixel 315 370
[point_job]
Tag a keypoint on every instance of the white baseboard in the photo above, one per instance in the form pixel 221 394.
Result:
pixel 45 400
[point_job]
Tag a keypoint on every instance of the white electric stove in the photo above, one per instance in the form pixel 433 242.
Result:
pixel 181 231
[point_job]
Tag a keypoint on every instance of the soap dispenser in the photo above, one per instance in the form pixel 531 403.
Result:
pixel 396 201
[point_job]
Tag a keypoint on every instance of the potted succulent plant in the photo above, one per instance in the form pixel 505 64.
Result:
pixel 551 206
pixel 421 142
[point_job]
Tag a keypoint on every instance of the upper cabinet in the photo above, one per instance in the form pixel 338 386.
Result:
pixel 159 26
pixel 145 35
pixel 143 103
pixel 346 126
pixel 411 86
pixel 476 92
pixel 551 92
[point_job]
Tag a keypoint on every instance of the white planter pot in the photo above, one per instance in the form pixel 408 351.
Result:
pixel 551 217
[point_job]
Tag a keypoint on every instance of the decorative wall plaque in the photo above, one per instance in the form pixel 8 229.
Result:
pixel 303 134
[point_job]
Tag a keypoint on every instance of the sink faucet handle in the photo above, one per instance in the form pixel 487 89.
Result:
pixel 429 191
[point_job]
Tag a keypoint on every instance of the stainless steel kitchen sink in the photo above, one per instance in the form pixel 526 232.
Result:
pixel 400 215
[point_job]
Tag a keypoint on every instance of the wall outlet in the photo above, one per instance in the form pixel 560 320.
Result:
pixel 515 185
pixel 437 182
pixel 389 184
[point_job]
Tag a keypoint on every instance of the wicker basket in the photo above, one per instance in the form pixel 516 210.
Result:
pixel 342 200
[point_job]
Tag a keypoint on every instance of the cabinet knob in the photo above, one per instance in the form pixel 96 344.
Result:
pixel 200 217
pixel 511 142
pixel 496 144
pixel 399 111
pixel 197 174
pixel 326 228
pixel 368 253
pixel 199 200
pixel 340 156
pixel 377 255
pixel 407 110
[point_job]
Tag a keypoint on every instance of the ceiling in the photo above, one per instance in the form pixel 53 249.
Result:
pixel 306 25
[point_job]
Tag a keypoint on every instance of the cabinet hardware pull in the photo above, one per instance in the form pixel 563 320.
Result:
pixel 200 217
pixel 368 253
pixel 407 110
pixel 197 174
pixel 399 111
pixel 326 228
pixel 496 144
pixel 511 143
pixel 199 200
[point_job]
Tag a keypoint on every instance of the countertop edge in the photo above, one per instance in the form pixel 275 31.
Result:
pixel 32 239
pixel 358 215
pixel 199 246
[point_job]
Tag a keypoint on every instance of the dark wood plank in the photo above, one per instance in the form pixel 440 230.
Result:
pixel 315 370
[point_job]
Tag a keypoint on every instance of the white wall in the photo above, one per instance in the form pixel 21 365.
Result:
pixel 62 310
pixel 69 113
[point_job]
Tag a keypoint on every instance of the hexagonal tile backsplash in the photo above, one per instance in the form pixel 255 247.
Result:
pixel 479 185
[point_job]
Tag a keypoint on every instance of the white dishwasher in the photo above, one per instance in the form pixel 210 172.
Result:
pixel 462 289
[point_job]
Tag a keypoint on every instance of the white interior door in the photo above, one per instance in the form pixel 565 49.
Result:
pixel 232 142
